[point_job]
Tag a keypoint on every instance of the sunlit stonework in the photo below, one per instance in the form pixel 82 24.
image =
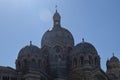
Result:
pixel 59 59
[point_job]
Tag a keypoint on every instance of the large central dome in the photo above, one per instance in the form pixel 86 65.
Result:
pixel 57 35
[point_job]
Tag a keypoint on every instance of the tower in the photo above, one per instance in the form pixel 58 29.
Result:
pixel 60 41
pixel 113 68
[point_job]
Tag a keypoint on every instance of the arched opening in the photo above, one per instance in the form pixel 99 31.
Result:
pixel 119 74
pixel 13 78
pixel 25 62
pixel 59 57
pixel 5 78
pixel 39 63
pixel 81 60
pixel 100 77
pixel 33 63
pixel 18 65
pixel 96 61
pixel 69 49
pixel 55 57
pixel 75 62
pixel 109 67
pixel 42 78
pixel 90 60
pixel 58 49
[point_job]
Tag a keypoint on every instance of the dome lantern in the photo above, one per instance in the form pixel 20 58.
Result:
pixel 56 19
pixel 57 35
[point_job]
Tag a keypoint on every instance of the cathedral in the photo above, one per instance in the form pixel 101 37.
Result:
pixel 59 58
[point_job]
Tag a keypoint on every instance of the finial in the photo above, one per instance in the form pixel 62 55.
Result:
pixel 30 43
pixel 113 54
pixel 56 18
pixel 56 7
pixel 83 40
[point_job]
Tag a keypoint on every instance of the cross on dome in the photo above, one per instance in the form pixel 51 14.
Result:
pixel 83 40
pixel 56 7
pixel 30 43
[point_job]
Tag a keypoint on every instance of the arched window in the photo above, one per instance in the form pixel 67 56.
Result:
pixel 39 63
pixel 22 78
pixel 5 78
pixel 100 77
pixel 59 57
pixel 119 74
pixel 75 62
pixel 33 63
pixel 81 60
pixel 96 61
pixel 42 78
pixel 58 49
pixel 19 65
pixel 90 60
pixel 55 57
pixel 13 78
pixel 69 49
pixel 25 63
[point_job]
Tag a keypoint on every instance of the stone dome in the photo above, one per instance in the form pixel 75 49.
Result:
pixel 28 51
pixel 85 47
pixel 57 35
pixel 7 70
pixel 114 59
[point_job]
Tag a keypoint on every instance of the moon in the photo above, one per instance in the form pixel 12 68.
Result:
pixel 45 15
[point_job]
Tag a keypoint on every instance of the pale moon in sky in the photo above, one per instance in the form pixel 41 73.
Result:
pixel 45 15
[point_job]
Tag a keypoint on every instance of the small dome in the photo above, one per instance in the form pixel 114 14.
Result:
pixel 114 59
pixel 28 50
pixel 85 47
pixel 57 36
pixel 6 69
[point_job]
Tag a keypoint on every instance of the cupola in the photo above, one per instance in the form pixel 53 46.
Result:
pixel 56 19
pixel 57 35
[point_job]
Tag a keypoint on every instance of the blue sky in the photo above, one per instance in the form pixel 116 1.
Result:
pixel 21 21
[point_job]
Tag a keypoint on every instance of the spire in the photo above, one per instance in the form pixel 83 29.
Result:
pixel 113 54
pixel 56 7
pixel 30 43
pixel 56 18
pixel 83 40
pixel 114 58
